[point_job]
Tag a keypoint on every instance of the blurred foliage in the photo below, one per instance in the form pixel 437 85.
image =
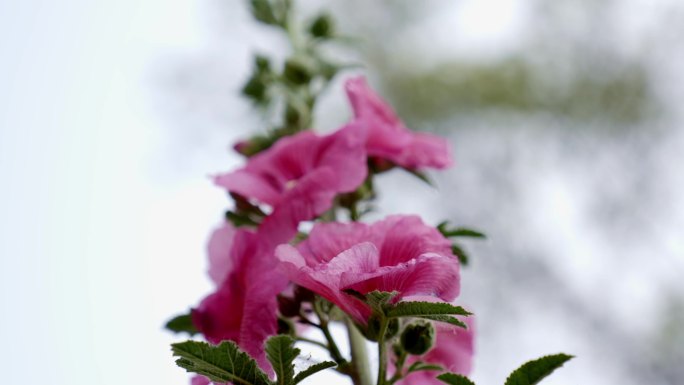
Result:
pixel 568 65
pixel 513 85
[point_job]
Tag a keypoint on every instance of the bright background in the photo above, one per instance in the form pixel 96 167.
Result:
pixel 566 123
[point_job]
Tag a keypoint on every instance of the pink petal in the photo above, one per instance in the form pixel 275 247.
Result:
pixel 243 309
pixel 429 274
pixel 327 240
pixel 200 380
pixel 327 279
pixel 413 258
pixel 388 138
pixel 365 102
pixel 406 237
pixel 250 185
pixel 220 244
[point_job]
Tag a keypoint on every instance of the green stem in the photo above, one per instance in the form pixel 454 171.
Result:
pixel 332 346
pixel 313 342
pixel 398 375
pixel 382 352
pixel 361 374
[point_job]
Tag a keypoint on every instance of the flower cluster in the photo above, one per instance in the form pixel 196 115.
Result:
pixel 257 264
pixel 295 253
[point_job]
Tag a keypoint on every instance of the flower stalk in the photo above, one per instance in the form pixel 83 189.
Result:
pixel 361 373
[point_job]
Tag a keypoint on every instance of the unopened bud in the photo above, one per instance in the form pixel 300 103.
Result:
pixel 372 331
pixel 322 27
pixel 418 337
pixel 298 71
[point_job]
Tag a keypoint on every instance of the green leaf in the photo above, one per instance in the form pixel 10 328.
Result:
pixel 420 308
pixel 418 366
pixel 458 251
pixel 378 300
pixel 262 10
pixel 222 363
pixel 446 318
pixel 182 324
pixel 463 232
pixel 239 220
pixel 534 371
pixel 454 379
pixel 422 176
pixel 313 369
pixel 281 353
pixel 435 311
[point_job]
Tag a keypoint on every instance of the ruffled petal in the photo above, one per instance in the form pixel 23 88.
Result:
pixel 218 249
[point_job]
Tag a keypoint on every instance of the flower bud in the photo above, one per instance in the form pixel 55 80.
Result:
pixel 256 89
pixel 322 27
pixel 372 331
pixel 418 337
pixel 298 71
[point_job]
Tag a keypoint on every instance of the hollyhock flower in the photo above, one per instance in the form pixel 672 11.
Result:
pixel 453 351
pixel 300 175
pixel 200 380
pixel 399 253
pixel 243 308
pixel 388 138
pixel 218 249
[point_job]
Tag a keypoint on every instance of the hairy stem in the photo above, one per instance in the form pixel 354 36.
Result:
pixel 398 375
pixel 382 352
pixel 332 346
pixel 360 374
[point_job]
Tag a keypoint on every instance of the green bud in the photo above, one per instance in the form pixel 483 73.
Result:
pixel 255 89
pixel 392 328
pixel 262 64
pixel 298 71
pixel 292 114
pixel 372 331
pixel 418 337
pixel 322 27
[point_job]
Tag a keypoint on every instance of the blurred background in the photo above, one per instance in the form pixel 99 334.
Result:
pixel 567 131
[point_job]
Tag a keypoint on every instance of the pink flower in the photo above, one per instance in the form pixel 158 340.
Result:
pixel 453 351
pixel 399 253
pixel 300 175
pixel 220 244
pixel 388 138
pixel 243 309
pixel 200 380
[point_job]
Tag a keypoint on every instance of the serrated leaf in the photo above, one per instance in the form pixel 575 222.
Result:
pixel 182 324
pixel 221 363
pixel 281 353
pixel 534 371
pixel 313 369
pixel 418 366
pixel 445 318
pixel 454 379
pixel 421 309
pixel 378 300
